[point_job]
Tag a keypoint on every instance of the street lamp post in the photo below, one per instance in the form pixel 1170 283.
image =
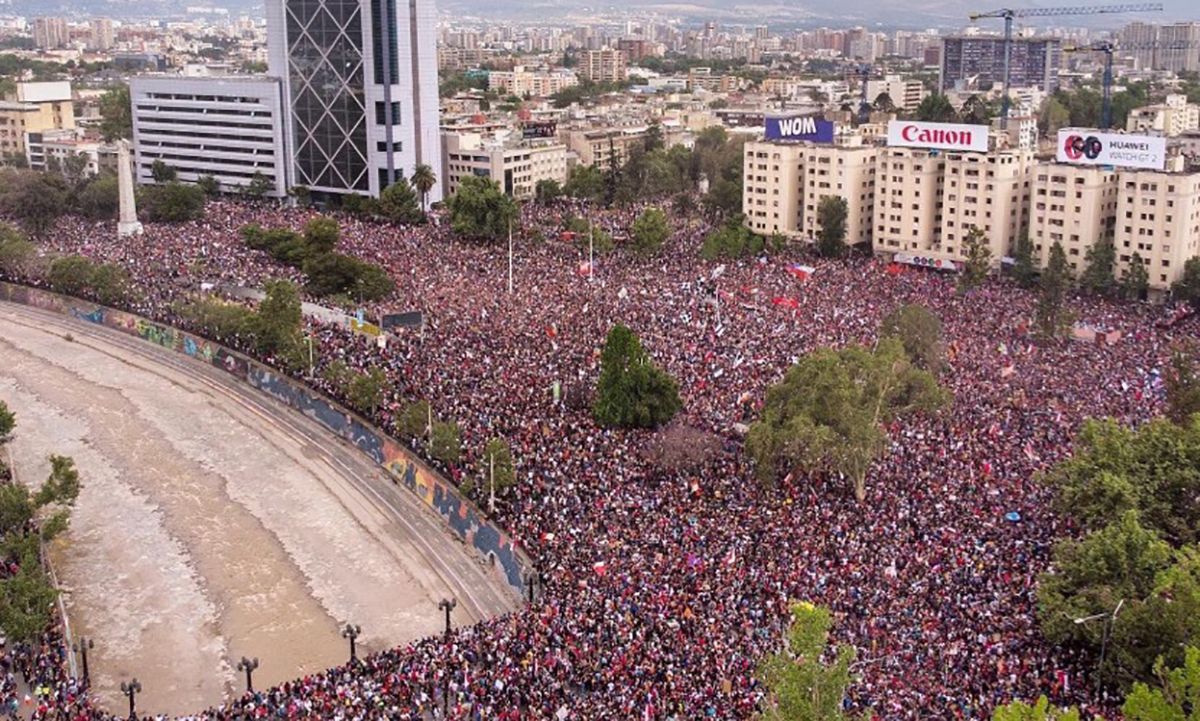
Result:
pixel 352 633
pixel 447 605
pixel 248 665
pixel 530 579
pixel 81 647
pixel 131 689
pixel 1109 620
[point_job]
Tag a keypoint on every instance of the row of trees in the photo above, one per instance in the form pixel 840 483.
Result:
pixel 329 274
pixel 27 521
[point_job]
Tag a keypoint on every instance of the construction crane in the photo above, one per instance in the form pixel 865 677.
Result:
pixel 1108 47
pixel 1009 13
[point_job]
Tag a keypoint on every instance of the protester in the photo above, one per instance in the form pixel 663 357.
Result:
pixel 664 590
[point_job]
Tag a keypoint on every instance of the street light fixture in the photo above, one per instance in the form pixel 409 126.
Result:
pixel 81 647
pixel 1109 620
pixel 131 689
pixel 448 605
pixel 248 665
pixel 352 632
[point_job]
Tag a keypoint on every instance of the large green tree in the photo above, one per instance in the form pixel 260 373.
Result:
pixel 649 231
pixel 34 200
pixel 979 260
pixel 171 202
pixel 481 210
pixel 831 411
pixel 1175 695
pixel 585 182
pixel 1183 383
pixel 920 332
pixel 1135 281
pixel 1187 288
pixel 1098 276
pixel 423 180
pixel 116 113
pixel 1122 592
pixel 800 685
pixel 279 318
pixel 632 391
pixel 1154 470
pixel 936 108
pixel 1051 319
pixel 398 203
pixel 831 217
pixel 15 250
pixel 1024 269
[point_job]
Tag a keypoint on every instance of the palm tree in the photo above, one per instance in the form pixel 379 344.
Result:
pixel 423 180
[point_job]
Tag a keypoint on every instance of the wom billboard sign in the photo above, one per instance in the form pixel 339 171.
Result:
pixel 943 136
pixel 803 127
pixel 1087 147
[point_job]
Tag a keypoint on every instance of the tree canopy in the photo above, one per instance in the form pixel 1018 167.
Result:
pixel 830 411
pixel 481 210
pixel 649 231
pixel 919 331
pixel 801 685
pixel 632 391
pixel 831 216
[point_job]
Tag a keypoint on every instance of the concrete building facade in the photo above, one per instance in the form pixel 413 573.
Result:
pixel 979 60
pixel 229 128
pixel 360 91
pixel 1158 217
pixel 602 66
pixel 784 183
pixel 1075 205
pixel 517 166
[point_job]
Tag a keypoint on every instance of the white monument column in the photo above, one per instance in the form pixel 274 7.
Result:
pixel 128 224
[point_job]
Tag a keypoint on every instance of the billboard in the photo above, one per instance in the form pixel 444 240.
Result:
pixel 801 127
pixel 943 136
pixel 1092 147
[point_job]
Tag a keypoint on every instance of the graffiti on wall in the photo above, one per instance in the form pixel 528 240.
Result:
pixel 467 521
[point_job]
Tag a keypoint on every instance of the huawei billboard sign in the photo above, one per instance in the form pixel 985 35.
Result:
pixel 942 136
pixel 1091 147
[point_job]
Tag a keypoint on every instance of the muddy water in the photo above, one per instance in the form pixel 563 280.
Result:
pixel 202 533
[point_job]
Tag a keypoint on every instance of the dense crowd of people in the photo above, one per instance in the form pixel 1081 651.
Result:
pixel 665 588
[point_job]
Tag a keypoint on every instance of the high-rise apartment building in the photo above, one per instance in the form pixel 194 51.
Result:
pixel 360 90
pixel 1179 47
pixel 1158 217
pixel 101 34
pixel 1075 205
pixel 905 95
pixel 50 33
pixel 979 61
pixel 908 206
pixel 988 192
pixel 602 66
pixel 784 183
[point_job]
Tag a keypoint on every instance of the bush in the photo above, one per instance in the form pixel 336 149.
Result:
pixel 218 319
pixel 336 274
pixel 99 198
pixel 632 392
pixel 731 240
pixel 171 202
pixel 75 275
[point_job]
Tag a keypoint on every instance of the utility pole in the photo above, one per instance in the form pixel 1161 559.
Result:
pixel 492 483
pixel 448 605
pixel 352 633
pixel 510 257
pixel 591 250
pixel 132 689
pixel 248 665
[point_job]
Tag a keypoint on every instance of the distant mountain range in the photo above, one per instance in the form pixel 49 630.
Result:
pixel 802 13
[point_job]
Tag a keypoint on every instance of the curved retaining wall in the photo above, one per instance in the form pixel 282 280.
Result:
pixel 403 466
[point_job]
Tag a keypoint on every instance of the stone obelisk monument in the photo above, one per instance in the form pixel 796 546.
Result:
pixel 128 224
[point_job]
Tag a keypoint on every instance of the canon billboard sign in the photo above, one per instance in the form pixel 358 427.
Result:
pixel 1091 147
pixel 943 136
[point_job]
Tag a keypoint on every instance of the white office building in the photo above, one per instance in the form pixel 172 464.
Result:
pixel 231 128
pixel 360 90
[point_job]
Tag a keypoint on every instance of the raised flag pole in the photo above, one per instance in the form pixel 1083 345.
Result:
pixel 591 253
pixel 510 257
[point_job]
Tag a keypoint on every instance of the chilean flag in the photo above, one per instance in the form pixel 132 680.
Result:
pixel 788 302
pixel 800 271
